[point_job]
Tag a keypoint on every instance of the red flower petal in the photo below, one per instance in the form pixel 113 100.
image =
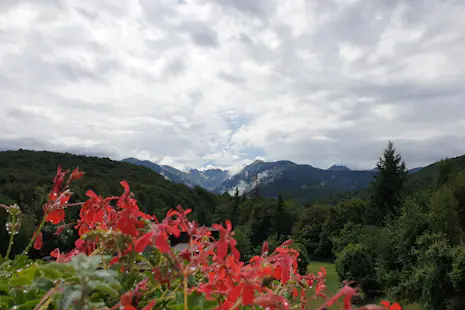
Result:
pixel 150 305
pixel 248 295
pixel 91 194
pixel 56 216
pixel 142 242
pixel 385 303
pixel 395 306
pixel 114 260
pixel 79 243
pixel 162 244
pixel 295 292
pixel 76 174
pixel 38 243
pixel 55 253
pixel 235 293
pixel 265 248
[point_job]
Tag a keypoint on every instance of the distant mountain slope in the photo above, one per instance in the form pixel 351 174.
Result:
pixel 414 170
pixel 245 180
pixel 305 183
pixel 338 168
pixel 207 179
pixel 300 182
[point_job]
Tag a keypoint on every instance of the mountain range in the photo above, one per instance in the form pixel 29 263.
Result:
pixel 208 179
pixel 300 182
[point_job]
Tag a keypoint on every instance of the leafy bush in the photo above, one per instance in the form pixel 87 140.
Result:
pixel 355 262
pixel 123 259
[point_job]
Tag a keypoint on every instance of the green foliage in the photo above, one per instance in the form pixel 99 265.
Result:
pixel 457 276
pixel 355 262
pixel 443 214
pixel 308 229
pixel 431 273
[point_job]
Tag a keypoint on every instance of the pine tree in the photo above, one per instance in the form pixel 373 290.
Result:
pixel 281 221
pixel 388 186
pixel 235 207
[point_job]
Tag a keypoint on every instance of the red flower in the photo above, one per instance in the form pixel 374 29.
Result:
pixel 76 174
pixel 347 292
pixel 60 229
pixel 57 184
pixel 38 243
pixel 142 242
pixel 248 294
pixel 226 241
pixel 127 223
pixel 271 301
pixel 388 305
pixel 56 216
pixel 161 242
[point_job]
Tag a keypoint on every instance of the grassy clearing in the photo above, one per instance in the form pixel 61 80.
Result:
pixel 332 282
pixel 333 285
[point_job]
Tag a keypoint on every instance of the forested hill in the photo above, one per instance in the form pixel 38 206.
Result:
pixel 23 173
pixel 428 176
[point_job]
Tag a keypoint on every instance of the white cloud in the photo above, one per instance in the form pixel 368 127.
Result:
pixel 223 82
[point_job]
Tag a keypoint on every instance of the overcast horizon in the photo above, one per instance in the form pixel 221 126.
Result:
pixel 220 83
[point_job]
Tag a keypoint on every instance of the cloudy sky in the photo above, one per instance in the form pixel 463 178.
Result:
pixel 192 83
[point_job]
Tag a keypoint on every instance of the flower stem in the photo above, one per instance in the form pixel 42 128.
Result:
pixel 185 292
pixel 12 235
pixel 31 242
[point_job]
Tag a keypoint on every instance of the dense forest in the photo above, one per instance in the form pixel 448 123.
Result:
pixel 402 237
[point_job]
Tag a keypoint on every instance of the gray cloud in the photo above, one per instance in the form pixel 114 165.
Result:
pixel 216 82
pixel 200 34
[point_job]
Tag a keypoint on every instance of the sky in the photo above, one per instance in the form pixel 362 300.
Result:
pixel 219 83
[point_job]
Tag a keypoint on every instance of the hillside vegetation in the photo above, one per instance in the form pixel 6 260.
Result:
pixel 26 177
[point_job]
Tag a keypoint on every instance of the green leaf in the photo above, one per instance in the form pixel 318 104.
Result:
pixel 43 284
pixel 176 306
pixel 4 287
pixel 6 299
pixel 29 272
pixel 30 304
pixel 209 304
pixel 108 275
pixel 103 287
pixel 68 297
pixel 50 272
pixel 97 305
pixel 19 281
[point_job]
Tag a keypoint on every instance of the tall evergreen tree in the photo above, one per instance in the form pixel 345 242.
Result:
pixel 281 219
pixel 388 186
pixel 235 207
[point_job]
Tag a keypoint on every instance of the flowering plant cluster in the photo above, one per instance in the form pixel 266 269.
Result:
pixel 123 260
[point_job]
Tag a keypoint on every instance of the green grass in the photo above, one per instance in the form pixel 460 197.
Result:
pixel 333 285
pixel 332 282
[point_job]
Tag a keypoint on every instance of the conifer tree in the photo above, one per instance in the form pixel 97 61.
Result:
pixel 235 207
pixel 388 186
